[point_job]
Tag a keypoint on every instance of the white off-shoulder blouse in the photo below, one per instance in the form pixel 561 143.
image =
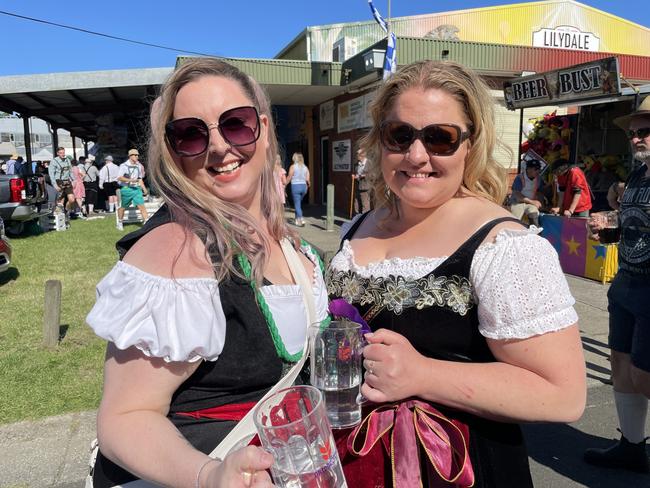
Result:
pixel 182 319
pixel 518 284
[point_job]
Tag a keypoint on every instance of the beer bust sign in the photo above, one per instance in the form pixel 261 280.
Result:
pixel 589 80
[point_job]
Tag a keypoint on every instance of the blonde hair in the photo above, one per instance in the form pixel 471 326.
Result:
pixel 483 175
pixel 298 158
pixel 226 228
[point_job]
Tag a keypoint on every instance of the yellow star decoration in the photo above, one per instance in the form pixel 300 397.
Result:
pixel 573 246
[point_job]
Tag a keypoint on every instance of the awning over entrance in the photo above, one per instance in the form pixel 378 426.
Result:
pixel 74 101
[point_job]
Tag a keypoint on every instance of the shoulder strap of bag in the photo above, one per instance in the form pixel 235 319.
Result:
pixel 300 276
pixel 244 431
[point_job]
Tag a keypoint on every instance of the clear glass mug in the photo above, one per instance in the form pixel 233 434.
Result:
pixel 292 425
pixel 336 358
pixel 606 225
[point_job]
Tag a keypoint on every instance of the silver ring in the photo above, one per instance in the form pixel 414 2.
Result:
pixel 370 368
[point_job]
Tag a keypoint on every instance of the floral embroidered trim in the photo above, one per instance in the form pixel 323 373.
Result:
pixel 397 293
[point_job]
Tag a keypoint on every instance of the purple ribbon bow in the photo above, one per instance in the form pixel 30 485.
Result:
pixel 405 425
pixel 340 307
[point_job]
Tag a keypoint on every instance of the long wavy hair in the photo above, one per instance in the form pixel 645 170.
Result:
pixel 483 175
pixel 226 228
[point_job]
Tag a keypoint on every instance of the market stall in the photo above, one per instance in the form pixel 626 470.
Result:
pixel 586 137
pixel 579 255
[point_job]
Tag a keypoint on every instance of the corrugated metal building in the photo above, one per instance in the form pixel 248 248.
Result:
pixel 508 25
pixel 499 42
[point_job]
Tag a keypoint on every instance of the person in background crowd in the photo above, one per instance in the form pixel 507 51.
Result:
pixel 60 171
pixel 362 185
pixel 44 169
pixel 280 179
pixel 134 155
pixel 108 182
pixel 90 180
pixel 299 178
pixel 131 187
pixel 445 278
pixel 629 307
pixel 11 164
pixel 527 194
pixel 19 166
pixel 576 194
pixel 197 334
pixel 78 188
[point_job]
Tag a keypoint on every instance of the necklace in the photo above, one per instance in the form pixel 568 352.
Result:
pixel 280 348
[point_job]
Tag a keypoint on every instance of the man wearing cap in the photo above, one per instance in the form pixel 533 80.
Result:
pixel 576 194
pixel 629 307
pixel 108 182
pixel 61 176
pixel 527 194
pixel 131 186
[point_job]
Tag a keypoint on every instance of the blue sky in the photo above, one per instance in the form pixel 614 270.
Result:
pixel 237 28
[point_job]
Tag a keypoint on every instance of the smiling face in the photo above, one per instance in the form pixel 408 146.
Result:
pixel 419 179
pixel 231 173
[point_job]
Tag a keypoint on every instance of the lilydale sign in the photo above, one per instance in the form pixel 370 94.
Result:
pixel 596 79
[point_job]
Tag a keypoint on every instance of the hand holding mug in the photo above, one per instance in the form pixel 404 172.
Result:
pixel 244 468
pixel 605 227
pixel 594 225
pixel 393 367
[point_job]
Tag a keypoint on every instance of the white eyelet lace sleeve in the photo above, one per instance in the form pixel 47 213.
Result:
pixel 177 320
pixel 520 287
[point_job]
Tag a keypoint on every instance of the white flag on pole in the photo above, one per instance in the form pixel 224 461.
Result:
pixel 390 60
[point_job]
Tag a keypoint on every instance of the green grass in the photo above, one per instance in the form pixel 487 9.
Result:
pixel 37 382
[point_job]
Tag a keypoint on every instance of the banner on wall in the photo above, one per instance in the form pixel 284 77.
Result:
pixel 354 114
pixel 342 155
pixel 326 115
pixel 593 80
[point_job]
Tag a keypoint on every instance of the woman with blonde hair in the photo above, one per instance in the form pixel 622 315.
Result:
pixel 299 178
pixel 473 326
pixel 203 313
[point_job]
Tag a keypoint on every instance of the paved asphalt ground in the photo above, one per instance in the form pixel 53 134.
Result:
pixel 53 452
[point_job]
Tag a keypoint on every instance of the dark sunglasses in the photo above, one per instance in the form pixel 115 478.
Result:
pixel 238 126
pixel 640 133
pixel 438 139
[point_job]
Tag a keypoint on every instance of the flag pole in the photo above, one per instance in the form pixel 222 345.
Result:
pixel 388 22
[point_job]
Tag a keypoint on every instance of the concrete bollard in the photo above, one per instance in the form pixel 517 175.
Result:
pixel 330 208
pixel 52 313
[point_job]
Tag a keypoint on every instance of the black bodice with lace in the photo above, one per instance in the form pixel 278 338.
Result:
pixel 438 314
